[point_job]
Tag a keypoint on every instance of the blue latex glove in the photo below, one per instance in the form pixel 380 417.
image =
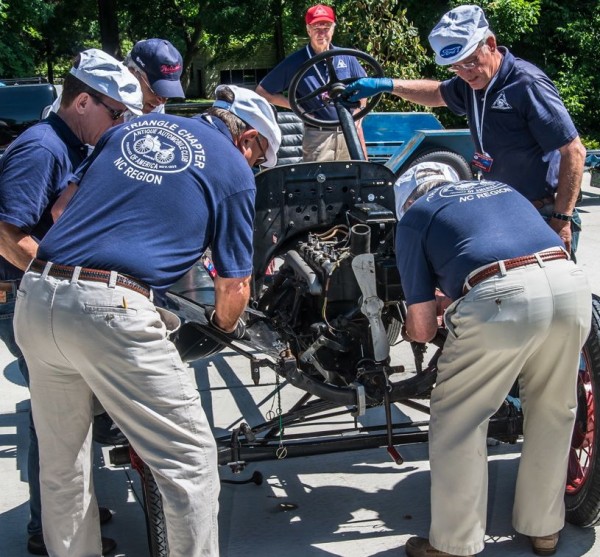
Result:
pixel 367 87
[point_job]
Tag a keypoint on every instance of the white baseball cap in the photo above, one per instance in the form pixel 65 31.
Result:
pixel 417 175
pixel 458 34
pixel 108 76
pixel 258 114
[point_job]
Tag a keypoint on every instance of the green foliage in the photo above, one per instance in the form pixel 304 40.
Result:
pixel 21 27
pixel 382 29
pixel 560 37
pixel 509 19
pixel 564 44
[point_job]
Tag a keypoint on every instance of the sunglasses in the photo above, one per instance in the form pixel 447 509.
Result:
pixel 114 114
pixel 262 159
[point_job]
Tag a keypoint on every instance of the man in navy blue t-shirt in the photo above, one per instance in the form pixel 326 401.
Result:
pixel 521 310
pixel 33 172
pixel 154 195
pixel 522 132
pixel 318 144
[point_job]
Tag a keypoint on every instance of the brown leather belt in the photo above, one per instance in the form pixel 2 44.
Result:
pixel 95 275
pixel 515 262
pixel 539 203
pixel 8 285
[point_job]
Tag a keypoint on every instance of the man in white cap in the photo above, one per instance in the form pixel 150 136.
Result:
pixel 318 144
pixel 521 311
pixel 33 172
pixel 522 132
pixel 158 66
pixel 154 195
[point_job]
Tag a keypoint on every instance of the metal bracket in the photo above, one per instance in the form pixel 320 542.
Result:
pixel 361 400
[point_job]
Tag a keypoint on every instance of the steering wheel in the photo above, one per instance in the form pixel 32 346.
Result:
pixel 330 91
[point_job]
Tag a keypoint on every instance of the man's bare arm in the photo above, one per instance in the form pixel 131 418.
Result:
pixel 61 203
pixel 421 321
pixel 572 160
pixel 17 247
pixel 425 92
pixel 231 299
pixel 274 98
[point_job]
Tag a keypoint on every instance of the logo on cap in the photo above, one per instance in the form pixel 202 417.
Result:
pixel 319 13
pixel 166 69
pixel 450 50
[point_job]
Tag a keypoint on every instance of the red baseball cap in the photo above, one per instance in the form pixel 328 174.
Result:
pixel 319 13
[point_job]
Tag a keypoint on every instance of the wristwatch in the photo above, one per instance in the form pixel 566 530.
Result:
pixel 562 216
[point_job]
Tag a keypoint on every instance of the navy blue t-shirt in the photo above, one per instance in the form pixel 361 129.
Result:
pixel 458 227
pixel 524 119
pixel 33 172
pixel 279 78
pixel 153 196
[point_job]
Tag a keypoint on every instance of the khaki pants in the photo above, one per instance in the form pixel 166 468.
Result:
pixel 82 338
pixel 528 325
pixel 324 145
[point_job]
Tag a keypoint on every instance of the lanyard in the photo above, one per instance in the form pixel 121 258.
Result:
pixel 323 82
pixel 478 120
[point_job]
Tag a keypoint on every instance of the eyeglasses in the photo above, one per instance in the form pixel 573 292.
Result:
pixel 145 80
pixel 324 27
pixel 465 66
pixel 262 159
pixel 114 114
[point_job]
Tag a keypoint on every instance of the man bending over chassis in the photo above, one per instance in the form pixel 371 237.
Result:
pixel 521 310
pixel 129 232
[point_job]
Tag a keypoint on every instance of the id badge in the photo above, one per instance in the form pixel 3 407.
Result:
pixel 482 161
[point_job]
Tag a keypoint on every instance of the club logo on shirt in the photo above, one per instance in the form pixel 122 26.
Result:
pixel 152 148
pixel 501 103
pixel 469 191
pixel 341 63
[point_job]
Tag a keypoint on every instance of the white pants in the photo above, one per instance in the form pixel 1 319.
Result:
pixel 83 338
pixel 529 325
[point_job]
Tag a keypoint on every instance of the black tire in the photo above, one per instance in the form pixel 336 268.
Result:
pixel 582 496
pixel 156 526
pixel 450 158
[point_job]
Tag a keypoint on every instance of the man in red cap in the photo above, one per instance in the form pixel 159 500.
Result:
pixel 318 144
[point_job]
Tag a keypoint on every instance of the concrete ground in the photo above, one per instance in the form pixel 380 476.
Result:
pixel 352 504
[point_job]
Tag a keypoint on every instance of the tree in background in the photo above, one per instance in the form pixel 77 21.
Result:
pixel 21 24
pixel 41 36
pixel 382 29
pixel 564 43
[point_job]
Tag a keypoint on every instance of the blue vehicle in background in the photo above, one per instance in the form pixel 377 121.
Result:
pixel 401 139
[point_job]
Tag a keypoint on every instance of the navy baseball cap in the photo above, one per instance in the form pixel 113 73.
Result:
pixel 163 66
